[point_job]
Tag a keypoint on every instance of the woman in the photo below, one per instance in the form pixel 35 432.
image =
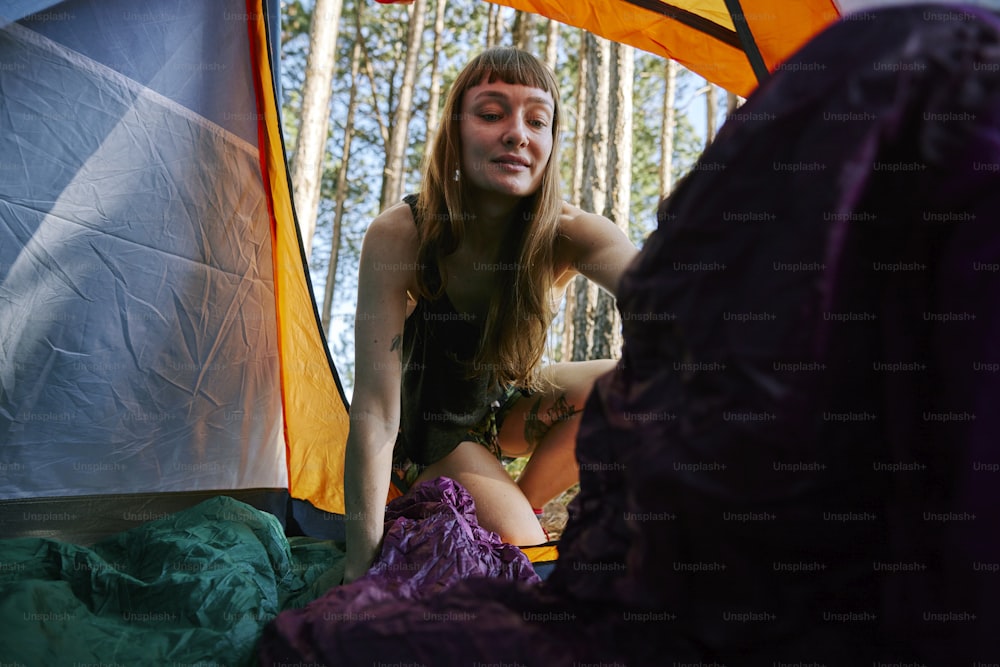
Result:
pixel 457 287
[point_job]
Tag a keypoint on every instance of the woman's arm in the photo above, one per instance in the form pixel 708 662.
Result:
pixel 595 247
pixel 388 261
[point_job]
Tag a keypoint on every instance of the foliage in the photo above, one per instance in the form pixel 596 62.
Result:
pixel 383 29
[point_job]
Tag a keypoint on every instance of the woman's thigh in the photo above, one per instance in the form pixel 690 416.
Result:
pixel 530 418
pixel 500 505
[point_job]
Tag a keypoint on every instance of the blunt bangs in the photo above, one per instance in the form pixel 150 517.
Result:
pixel 511 66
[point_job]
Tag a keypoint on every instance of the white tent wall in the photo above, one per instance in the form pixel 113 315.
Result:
pixel 138 352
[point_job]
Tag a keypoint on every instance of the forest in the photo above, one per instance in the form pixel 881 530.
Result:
pixel 362 85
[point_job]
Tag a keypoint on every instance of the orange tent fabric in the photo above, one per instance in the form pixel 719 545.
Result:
pixel 722 40
pixel 700 34
pixel 315 411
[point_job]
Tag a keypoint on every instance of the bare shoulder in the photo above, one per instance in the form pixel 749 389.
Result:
pixel 393 229
pixel 389 251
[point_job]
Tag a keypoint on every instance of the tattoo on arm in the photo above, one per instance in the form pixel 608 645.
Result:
pixel 397 342
pixel 535 428
pixel 561 410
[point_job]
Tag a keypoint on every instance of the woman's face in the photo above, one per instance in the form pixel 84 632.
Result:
pixel 506 134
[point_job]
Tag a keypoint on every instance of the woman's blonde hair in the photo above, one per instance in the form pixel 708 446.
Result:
pixel 521 310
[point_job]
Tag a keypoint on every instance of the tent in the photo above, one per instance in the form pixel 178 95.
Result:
pixel 163 373
pixel 732 43
pixel 158 339
pixel 159 343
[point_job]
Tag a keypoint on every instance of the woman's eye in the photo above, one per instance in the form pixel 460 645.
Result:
pixel 490 116
pixel 539 123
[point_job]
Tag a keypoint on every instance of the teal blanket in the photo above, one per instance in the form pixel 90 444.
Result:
pixel 193 588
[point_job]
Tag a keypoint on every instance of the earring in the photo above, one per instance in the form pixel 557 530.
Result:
pixel 457 176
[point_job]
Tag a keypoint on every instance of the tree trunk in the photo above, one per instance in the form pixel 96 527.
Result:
pixel 524 23
pixel 711 111
pixel 493 26
pixel 620 120
pixel 395 159
pixel 733 102
pixel 569 308
pixel 580 131
pixel 576 190
pixel 607 339
pixel 595 160
pixel 668 128
pixel 310 148
pixel 434 97
pixel 341 193
pixel 383 129
pixel 595 168
pixel 552 44
pixel 584 296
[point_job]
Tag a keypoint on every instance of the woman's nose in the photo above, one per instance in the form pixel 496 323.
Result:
pixel 516 134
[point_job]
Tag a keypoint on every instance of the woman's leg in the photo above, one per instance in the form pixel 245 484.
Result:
pixel 500 505
pixel 544 427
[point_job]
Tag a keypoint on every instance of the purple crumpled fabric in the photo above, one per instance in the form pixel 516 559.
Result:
pixel 796 460
pixel 432 541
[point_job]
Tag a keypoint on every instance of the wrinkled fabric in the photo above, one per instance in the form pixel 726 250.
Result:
pixel 432 542
pixel 138 347
pixel 795 462
pixel 195 587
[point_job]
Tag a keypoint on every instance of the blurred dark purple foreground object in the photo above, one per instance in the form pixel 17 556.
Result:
pixel 796 461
